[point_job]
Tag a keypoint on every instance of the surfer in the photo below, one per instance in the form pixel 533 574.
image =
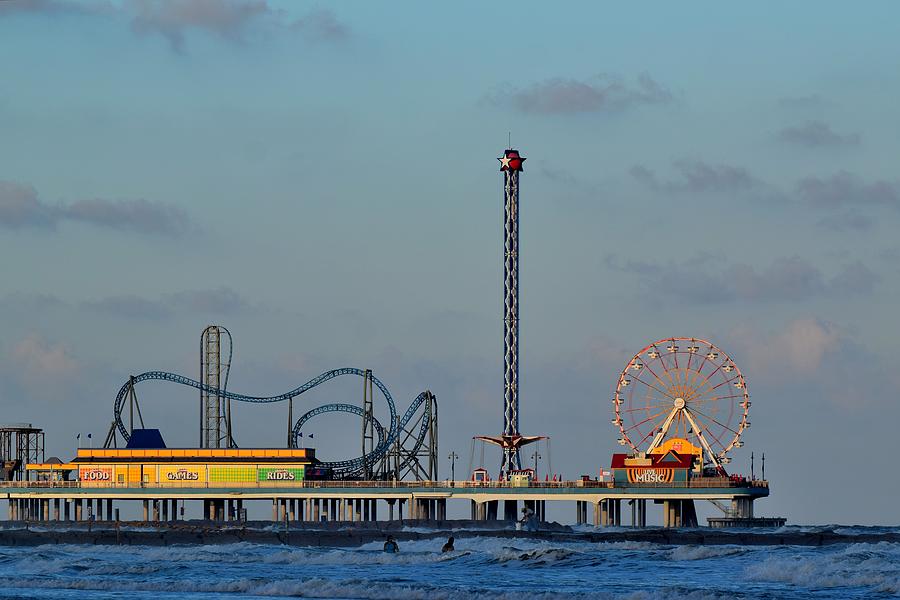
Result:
pixel 448 547
pixel 390 546
pixel 528 520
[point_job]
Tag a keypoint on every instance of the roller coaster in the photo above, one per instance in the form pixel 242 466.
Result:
pixel 401 443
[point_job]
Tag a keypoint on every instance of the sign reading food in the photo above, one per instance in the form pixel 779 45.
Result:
pixel 95 474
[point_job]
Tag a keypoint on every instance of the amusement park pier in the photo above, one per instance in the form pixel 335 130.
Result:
pixel 680 405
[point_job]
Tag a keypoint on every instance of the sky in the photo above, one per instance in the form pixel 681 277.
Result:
pixel 321 179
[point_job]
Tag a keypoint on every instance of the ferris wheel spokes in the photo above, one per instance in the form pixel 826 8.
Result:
pixel 693 390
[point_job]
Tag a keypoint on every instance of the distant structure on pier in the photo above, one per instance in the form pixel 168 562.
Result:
pixel 20 444
pixel 510 441
pixel 215 408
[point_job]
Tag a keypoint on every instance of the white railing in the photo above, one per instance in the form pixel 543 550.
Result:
pixel 386 485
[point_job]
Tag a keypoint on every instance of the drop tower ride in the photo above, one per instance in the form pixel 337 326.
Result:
pixel 511 440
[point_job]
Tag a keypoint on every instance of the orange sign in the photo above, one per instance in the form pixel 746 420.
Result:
pixel 643 475
pixel 679 445
pixel 94 474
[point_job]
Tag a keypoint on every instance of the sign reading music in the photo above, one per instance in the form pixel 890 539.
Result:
pixel 650 475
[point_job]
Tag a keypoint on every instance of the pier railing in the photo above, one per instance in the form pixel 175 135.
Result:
pixel 708 482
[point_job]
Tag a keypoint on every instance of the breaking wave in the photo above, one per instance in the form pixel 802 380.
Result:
pixel 874 566
pixel 495 567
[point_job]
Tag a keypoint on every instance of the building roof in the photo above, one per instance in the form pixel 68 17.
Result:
pixel 146 438
pixel 669 460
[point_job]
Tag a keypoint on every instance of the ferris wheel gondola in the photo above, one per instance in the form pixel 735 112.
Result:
pixel 682 388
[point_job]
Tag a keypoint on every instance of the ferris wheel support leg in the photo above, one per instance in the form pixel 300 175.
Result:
pixel 702 438
pixel 663 430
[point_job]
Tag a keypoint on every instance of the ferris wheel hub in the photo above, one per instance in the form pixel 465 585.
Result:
pixel 679 403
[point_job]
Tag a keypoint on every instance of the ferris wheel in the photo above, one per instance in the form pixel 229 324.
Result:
pixel 682 388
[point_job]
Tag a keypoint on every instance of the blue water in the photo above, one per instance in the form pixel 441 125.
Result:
pixel 481 567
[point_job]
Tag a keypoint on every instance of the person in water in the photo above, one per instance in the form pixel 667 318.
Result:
pixel 528 521
pixel 448 547
pixel 391 546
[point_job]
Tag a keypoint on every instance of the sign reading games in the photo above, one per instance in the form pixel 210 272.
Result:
pixel 183 475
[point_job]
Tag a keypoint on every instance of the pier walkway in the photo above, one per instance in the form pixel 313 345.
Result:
pixel 359 500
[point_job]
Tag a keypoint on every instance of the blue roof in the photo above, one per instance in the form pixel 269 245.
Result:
pixel 146 439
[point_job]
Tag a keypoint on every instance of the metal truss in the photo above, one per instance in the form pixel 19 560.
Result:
pixel 215 409
pixel 511 458
pixel 386 437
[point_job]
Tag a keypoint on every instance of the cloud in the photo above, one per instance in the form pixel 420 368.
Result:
pixel 321 25
pixel 21 208
pixel 230 20
pixel 129 306
pixel 854 278
pixel 788 279
pixel 846 189
pixel 223 300
pixel 700 177
pixel 567 184
pixel 603 93
pixel 36 357
pixel 141 216
pixel 799 347
pixel 54 7
pixel 39 302
pixel 802 102
pixel 817 134
pixel 848 221
pixel 219 301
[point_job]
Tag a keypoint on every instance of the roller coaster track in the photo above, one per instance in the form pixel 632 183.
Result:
pixel 355 465
pixel 346 467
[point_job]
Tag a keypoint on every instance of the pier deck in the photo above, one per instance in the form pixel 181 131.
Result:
pixel 358 500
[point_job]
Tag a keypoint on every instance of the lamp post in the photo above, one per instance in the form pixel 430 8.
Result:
pixel 536 457
pixel 452 458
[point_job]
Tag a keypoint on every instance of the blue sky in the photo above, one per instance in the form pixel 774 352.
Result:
pixel 321 179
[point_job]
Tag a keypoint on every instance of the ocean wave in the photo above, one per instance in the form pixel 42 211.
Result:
pixel 346 588
pixel 873 566
pixel 704 552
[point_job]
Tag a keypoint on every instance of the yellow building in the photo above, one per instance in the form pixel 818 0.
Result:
pixel 194 467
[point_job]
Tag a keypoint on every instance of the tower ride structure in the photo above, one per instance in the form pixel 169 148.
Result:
pixel 215 407
pixel 510 441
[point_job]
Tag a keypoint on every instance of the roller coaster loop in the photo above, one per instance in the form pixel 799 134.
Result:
pixel 352 466
pixel 345 467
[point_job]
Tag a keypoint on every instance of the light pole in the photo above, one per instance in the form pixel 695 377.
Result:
pixel 536 458
pixel 452 458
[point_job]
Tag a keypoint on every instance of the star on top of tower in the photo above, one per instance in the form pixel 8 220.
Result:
pixel 511 161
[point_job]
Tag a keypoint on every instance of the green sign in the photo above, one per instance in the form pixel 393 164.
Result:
pixel 274 474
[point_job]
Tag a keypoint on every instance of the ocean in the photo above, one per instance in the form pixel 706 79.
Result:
pixel 484 566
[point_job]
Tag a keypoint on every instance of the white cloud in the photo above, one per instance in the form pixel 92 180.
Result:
pixel 800 347
pixel 36 357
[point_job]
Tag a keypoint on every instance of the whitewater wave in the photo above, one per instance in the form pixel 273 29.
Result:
pixel 350 588
pixel 873 566
pixel 705 552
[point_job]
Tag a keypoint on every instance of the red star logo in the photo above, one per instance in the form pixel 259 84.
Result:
pixel 511 161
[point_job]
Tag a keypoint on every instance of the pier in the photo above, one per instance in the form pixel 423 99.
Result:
pixel 596 502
